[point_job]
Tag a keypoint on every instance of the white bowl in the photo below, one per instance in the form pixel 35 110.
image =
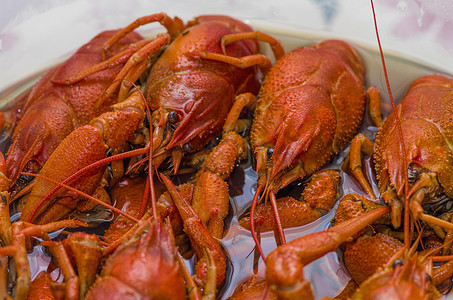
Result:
pixel 37 34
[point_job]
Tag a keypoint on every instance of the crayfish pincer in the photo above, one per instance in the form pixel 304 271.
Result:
pixel 86 145
pixel 284 265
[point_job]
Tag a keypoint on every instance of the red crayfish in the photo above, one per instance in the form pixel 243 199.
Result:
pixel 172 80
pixel 413 140
pixel 296 128
pixel 52 111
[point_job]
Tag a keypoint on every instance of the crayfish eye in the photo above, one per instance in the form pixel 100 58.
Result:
pixel 172 117
pixel 270 151
pixel 398 262
pixel 187 148
pixel 32 166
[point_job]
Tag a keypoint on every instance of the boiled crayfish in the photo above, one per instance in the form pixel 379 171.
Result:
pixel 52 111
pixel 417 128
pixel 184 85
pixel 197 88
pixel 170 92
pixel 425 117
pixel 297 128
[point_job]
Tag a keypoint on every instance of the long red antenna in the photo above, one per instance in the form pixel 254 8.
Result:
pixel 400 132
pixel 85 169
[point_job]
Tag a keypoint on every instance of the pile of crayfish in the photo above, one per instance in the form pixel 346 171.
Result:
pixel 125 160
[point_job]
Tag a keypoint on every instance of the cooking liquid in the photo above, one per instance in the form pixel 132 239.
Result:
pixel 327 274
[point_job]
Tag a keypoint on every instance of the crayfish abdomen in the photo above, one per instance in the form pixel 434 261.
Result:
pixel 145 267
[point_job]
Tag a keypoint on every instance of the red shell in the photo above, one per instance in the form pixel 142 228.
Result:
pixel 426 115
pixel 310 105
pixel 201 91
pixel 142 268
pixel 53 111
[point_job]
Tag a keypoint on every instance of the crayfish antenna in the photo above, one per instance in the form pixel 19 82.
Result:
pixel 265 192
pixel 252 222
pixel 82 171
pixel 60 184
pixel 400 133
pixel 149 181
pixel 278 222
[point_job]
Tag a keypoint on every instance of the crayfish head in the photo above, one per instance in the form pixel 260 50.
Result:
pixel 37 136
pixel 271 175
pixel 406 280
pixel 425 192
pixel 191 106
pixel 146 263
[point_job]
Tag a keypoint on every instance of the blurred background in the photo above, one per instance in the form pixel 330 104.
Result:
pixel 35 34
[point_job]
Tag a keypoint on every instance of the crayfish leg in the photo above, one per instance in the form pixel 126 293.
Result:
pixel 198 234
pixel 242 62
pixel 247 61
pixel 360 144
pixel 173 26
pixel 275 44
pixel 374 105
pixel 135 64
pixel 71 285
pixel 232 120
pixel 110 63
pixel 318 197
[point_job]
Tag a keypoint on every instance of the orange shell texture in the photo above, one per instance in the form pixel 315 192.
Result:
pixel 145 267
pixel 53 111
pixel 310 105
pixel 201 91
pixel 426 116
